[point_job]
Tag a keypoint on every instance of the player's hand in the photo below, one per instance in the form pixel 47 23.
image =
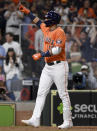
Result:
pixel 24 9
pixel 36 56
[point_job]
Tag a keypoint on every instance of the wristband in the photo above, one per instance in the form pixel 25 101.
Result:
pixel 33 17
pixel 45 54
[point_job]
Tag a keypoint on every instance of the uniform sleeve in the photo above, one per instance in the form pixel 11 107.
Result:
pixel 7 68
pixel 44 28
pixel 60 39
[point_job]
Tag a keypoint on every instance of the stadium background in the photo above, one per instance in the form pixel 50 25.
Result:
pixel 81 49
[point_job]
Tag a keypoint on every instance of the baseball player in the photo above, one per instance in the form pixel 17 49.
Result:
pixel 56 67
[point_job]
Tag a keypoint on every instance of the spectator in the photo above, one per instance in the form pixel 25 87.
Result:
pixel 95 81
pixel 63 10
pixel 30 37
pixel 2 76
pixel 86 12
pixel 12 44
pixel 75 58
pixel 1 39
pixel 68 43
pixel 79 3
pixel 93 75
pixel 3 8
pixel 3 90
pixel 95 43
pixel 85 47
pixel 33 8
pixel 95 8
pixel 39 48
pixel 80 79
pixel 39 41
pixel 75 53
pixel 86 42
pixel 68 29
pixel 14 19
pixel 2 55
pixel 59 9
pixel 40 8
pixel 24 27
pixel 93 34
pixel 72 14
pixel 12 67
pixel 27 20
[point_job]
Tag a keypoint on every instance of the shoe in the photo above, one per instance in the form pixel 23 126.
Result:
pixel 32 122
pixel 66 125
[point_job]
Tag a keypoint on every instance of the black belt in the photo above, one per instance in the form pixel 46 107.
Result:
pixel 53 63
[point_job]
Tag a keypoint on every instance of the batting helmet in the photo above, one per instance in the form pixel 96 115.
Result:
pixel 52 18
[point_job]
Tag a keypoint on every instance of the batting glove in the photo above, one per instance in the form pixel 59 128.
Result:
pixel 24 9
pixel 37 56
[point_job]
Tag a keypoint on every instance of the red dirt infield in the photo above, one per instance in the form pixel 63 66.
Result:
pixel 47 128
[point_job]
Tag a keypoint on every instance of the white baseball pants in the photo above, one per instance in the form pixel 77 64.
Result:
pixel 58 74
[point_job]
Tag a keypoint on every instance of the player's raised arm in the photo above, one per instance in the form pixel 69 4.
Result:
pixel 52 18
pixel 35 19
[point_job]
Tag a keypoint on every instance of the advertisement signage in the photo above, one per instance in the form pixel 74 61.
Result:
pixel 83 108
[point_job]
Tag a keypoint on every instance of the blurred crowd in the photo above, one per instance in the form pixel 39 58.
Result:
pixel 19 41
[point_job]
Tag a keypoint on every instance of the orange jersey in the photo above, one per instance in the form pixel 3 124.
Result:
pixel 53 39
pixel 90 12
